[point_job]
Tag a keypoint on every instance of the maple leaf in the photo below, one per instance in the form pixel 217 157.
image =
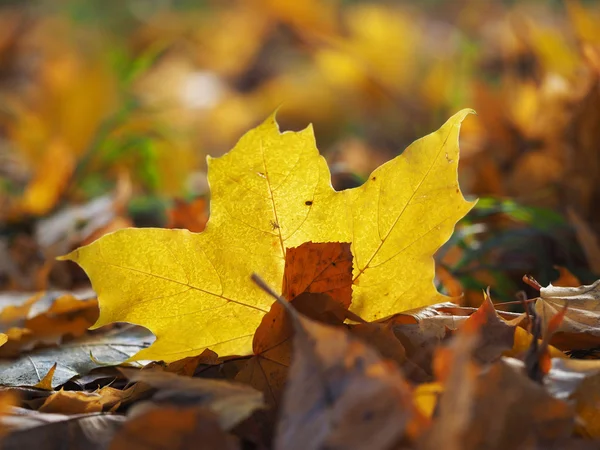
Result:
pixel 272 192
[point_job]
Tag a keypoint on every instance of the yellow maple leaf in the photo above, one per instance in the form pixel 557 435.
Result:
pixel 272 192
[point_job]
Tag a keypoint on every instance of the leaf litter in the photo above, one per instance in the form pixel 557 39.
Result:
pixel 358 350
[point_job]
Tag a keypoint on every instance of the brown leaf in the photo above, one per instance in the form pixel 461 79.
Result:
pixel 314 272
pixel 267 369
pixel 45 319
pixel 188 366
pixel 340 393
pixel 583 314
pixel 324 268
pixel 173 428
pixel 496 336
pixel 496 409
pixel 231 402
pixel 81 402
pixel 32 429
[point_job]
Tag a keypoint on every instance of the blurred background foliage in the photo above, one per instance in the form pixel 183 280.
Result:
pixel 109 108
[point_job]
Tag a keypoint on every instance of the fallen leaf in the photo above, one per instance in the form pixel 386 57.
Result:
pixel 583 313
pixel 382 338
pixel 231 402
pixel 188 366
pixel 82 402
pixel 496 408
pixel 496 335
pixel 319 268
pixel 173 428
pixel 578 381
pixel 311 271
pixel 74 358
pixel 32 429
pixel 340 392
pixel 185 289
pixel 46 382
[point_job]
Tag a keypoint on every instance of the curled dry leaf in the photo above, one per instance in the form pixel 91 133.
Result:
pixel 81 402
pixel 496 335
pixel 583 312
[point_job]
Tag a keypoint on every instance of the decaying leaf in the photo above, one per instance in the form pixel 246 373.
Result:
pixel 340 393
pixel 496 336
pixel 319 268
pixel 82 402
pixel 583 312
pixel 45 319
pixel 578 381
pixel 312 270
pixel 31 429
pixel 497 408
pixel 185 289
pixel 231 402
pixel 74 358
pixel 173 428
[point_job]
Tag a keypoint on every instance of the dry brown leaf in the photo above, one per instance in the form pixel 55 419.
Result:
pixel 81 402
pixel 231 402
pixel 583 313
pixel 173 428
pixel 340 392
pixel 188 366
pixel 323 268
pixel 267 369
pixel 45 319
pixel 496 336
pixel 494 409
pixel 318 280
pixel 381 337
pixel 32 429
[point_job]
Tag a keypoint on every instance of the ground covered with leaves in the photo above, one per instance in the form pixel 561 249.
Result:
pixel 282 297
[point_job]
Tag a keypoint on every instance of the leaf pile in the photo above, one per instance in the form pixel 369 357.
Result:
pixel 301 317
